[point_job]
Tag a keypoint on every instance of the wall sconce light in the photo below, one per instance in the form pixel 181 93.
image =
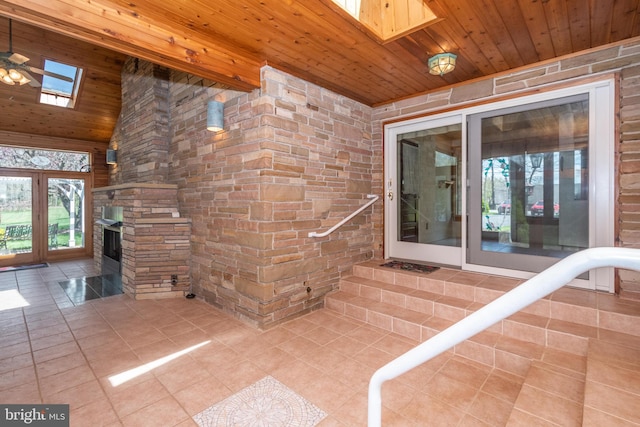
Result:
pixel 112 156
pixel 215 116
pixel 442 63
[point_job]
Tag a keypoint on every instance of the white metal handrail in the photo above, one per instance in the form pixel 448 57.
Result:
pixel 513 301
pixel 373 198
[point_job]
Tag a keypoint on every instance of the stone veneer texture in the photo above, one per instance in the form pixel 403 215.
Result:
pixel 294 158
pixel 155 240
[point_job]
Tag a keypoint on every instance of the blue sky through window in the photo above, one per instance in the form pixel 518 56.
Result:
pixel 52 84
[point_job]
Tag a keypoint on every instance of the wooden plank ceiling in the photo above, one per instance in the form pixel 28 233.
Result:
pixel 229 40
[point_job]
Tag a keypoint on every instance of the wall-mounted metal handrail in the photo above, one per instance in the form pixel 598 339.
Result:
pixel 537 287
pixel 373 198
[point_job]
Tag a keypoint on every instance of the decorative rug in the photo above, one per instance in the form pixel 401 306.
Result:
pixel 23 267
pixel 266 403
pixel 409 266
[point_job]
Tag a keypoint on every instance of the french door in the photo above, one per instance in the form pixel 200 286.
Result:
pixel 42 216
pixel 507 188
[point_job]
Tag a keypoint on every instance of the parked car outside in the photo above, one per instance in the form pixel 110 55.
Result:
pixel 504 208
pixel 538 209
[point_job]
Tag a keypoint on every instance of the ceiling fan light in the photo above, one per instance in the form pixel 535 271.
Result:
pixel 23 80
pixel 3 72
pixel 15 75
pixel 7 80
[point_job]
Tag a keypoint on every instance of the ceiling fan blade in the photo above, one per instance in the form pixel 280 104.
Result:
pixel 16 58
pixel 32 80
pixel 48 73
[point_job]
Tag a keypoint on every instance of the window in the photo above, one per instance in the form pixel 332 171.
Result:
pixel 56 91
pixel 33 158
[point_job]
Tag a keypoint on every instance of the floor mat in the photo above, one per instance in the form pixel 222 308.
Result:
pixel 409 266
pixel 267 402
pixel 23 267
pixel 88 288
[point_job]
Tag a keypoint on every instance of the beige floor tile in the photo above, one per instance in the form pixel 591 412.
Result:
pixel 201 395
pixel 490 409
pixel 503 385
pixel 549 407
pixel 65 380
pixel 109 363
pixel 21 393
pixel 426 410
pixel 133 398
pixel 240 375
pixel 552 382
pixel 321 335
pixel 78 396
pixel 299 346
pixel 352 372
pixel 61 364
pixel 17 377
pixel 96 413
pixel 12 363
pixel 595 418
pixel 624 405
pixel 451 392
pixel 165 412
pixel 181 374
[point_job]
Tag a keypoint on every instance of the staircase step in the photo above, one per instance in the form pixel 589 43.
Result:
pixel 409 312
pixel 576 352
pixel 612 386
pixel 550 395
pixel 575 306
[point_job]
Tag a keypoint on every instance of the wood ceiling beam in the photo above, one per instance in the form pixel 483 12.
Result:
pixel 103 23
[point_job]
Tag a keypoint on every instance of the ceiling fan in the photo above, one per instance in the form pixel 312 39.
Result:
pixel 14 69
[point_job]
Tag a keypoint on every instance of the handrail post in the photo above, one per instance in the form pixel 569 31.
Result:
pixel 537 287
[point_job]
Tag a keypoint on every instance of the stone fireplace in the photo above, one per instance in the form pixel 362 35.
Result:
pixel 155 245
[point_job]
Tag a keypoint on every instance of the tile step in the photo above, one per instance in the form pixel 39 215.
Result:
pixel 458 293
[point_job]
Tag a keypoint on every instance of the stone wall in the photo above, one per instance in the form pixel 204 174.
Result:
pixel 623 59
pixel 141 135
pixel 293 158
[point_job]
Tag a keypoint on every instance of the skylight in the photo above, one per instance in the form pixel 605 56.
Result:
pixel 390 19
pixel 58 92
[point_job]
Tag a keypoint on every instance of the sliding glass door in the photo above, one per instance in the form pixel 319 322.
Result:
pixel 529 186
pixel 506 188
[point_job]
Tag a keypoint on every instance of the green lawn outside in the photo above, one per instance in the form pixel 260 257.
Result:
pixel 57 215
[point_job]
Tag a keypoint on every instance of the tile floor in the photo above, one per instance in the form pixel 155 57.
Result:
pixel 53 351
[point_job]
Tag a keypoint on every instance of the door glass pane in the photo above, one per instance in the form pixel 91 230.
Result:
pixel 65 225
pixel 429 207
pixel 535 178
pixel 16 231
